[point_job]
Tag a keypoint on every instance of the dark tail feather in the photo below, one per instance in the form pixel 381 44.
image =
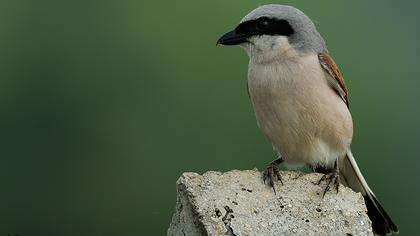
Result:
pixel 381 222
pixel 351 176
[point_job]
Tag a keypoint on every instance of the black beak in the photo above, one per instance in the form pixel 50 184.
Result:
pixel 232 38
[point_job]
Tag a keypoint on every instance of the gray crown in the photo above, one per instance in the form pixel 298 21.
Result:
pixel 305 38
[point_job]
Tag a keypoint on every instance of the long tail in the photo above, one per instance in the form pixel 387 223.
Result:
pixel 351 176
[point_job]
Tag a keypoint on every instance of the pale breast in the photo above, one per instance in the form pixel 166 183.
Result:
pixel 298 111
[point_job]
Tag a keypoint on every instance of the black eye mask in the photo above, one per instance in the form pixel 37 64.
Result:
pixel 265 26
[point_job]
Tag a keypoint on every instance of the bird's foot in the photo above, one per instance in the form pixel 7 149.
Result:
pixel 333 178
pixel 271 173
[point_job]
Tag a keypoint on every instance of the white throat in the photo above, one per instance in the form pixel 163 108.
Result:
pixel 268 49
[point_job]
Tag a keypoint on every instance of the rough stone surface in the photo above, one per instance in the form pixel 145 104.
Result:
pixel 238 203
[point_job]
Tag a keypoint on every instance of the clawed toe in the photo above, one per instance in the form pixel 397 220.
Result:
pixel 272 173
pixel 332 178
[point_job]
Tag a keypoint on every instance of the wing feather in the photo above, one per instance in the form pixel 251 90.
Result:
pixel 336 79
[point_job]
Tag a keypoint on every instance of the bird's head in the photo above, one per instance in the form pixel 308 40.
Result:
pixel 275 32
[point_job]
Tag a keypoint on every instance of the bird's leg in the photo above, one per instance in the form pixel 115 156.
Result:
pixel 272 172
pixel 332 175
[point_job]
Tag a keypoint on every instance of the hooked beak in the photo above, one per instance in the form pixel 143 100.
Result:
pixel 232 38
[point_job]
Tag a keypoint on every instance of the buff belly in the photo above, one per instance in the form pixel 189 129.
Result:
pixel 300 114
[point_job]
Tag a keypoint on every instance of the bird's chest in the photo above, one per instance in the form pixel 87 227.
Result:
pixel 285 98
pixel 281 88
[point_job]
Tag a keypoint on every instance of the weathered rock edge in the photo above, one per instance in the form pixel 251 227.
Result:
pixel 238 203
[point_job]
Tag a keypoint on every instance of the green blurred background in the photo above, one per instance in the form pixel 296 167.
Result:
pixel 103 104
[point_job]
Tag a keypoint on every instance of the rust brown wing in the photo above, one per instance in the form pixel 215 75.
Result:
pixel 336 79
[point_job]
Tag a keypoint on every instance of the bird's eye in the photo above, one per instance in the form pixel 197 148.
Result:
pixel 262 25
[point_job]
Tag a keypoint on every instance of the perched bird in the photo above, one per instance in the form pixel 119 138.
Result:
pixel 301 101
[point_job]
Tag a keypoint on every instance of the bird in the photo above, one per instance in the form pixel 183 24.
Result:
pixel 300 100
